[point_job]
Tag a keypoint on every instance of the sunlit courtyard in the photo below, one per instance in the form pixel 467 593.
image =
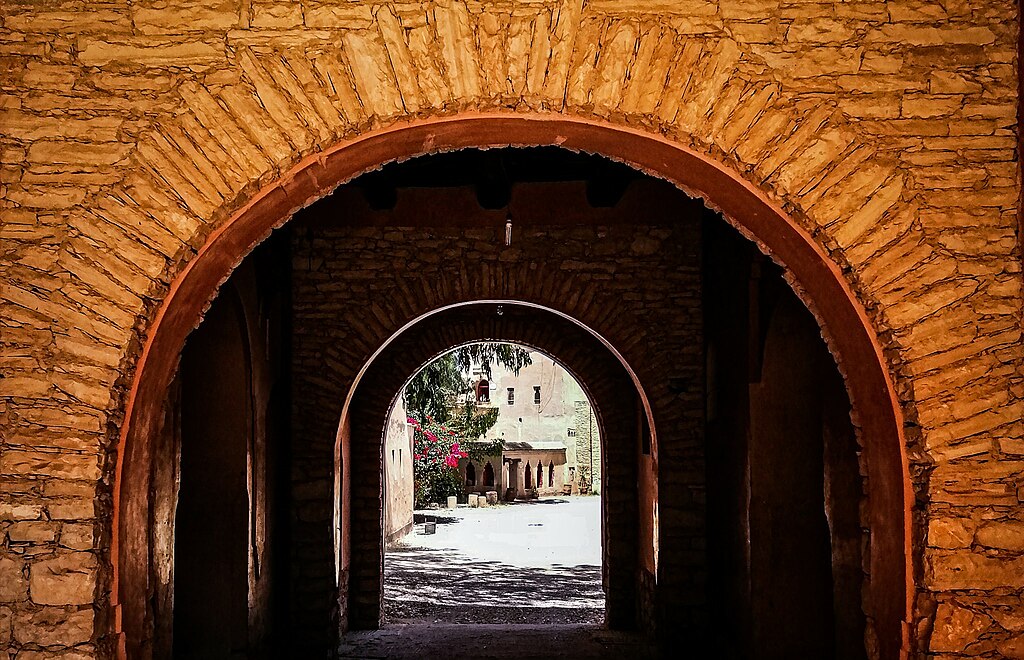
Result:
pixel 530 562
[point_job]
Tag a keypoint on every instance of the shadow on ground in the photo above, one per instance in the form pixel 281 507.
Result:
pixel 496 642
pixel 423 584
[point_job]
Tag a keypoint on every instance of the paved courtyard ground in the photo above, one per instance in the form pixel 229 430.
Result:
pixel 536 562
pixel 518 581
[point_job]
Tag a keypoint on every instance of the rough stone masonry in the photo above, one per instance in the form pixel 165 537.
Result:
pixel 130 131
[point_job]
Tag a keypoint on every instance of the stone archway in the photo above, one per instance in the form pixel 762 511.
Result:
pixel 631 483
pixel 814 275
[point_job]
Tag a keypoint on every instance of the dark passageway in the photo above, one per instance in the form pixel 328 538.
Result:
pixel 737 516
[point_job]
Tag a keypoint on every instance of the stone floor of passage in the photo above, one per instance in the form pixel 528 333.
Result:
pixel 495 642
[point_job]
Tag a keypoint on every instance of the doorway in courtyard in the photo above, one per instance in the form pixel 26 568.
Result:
pixel 730 491
pixel 492 509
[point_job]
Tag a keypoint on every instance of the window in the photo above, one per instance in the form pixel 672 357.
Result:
pixel 488 475
pixel 511 396
pixel 536 395
pixel 570 432
pixel 483 391
pixel 470 475
pixel 551 474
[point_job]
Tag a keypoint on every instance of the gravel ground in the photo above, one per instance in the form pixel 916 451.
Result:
pixel 525 564
pixel 516 582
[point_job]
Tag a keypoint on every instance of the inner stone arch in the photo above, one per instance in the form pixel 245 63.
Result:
pixel 628 543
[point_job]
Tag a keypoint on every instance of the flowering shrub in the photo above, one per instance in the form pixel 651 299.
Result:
pixel 435 461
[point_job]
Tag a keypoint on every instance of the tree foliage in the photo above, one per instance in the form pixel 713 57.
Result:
pixel 434 389
pixel 437 449
pixel 445 432
pixel 436 454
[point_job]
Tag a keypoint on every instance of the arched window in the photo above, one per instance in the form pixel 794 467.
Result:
pixel 488 475
pixel 483 391
pixel 551 474
pixel 528 477
pixel 540 475
pixel 470 475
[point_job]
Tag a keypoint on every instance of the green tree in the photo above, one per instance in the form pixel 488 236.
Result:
pixel 434 389
pixel 471 424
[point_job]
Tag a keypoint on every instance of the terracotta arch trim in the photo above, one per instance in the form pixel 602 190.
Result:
pixel 853 338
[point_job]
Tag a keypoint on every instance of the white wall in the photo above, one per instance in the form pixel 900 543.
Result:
pixel 398 485
pixel 548 421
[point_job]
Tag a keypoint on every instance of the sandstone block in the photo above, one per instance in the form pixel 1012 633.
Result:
pixel 64 21
pixel 152 52
pixel 47 75
pixel 918 35
pixel 6 624
pixel 53 626
pixel 66 466
pixel 66 580
pixel 348 15
pixel 76 537
pixel 957 627
pixel 1011 446
pixel 84 653
pixel 930 106
pixel 950 532
pixel 12 580
pixel 45 197
pixel 656 7
pixel 1009 619
pixel 1007 535
pixel 967 570
pixel 276 15
pixel 77 153
pixel 25 126
pixel 948 82
pixel 77 510
pixel 32 532
pixel 819 31
pixel 178 17
pixel 20 511
pixel 1013 648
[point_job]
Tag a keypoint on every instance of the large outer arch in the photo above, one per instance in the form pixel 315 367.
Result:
pixel 818 279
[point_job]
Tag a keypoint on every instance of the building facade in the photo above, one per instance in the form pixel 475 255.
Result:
pixel 544 409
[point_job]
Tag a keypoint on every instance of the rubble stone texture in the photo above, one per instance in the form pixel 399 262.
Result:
pixel 131 130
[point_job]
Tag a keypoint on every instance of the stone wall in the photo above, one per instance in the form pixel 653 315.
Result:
pixel 131 131
pixel 634 266
pixel 588 446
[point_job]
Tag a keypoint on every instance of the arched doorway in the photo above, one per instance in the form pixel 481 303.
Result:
pixel 819 280
pixel 628 544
